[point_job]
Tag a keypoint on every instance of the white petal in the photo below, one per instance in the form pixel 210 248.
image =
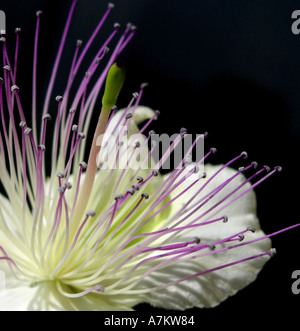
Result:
pixel 16 299
pixel 204 291
pixel 210 289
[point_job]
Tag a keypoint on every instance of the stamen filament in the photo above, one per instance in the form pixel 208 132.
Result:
pixel 58 57
pixel 34 74
pixel 98 288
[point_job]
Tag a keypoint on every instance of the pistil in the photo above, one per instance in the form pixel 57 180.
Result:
pixel 114 83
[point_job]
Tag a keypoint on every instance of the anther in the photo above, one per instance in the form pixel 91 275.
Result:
pixel 140 179
pixel 110 5
pixel 42 148
pixel 183 131
pixel 136 186
pixel 145 195
pixel 196 169
pixel 197 240
pixel 212 247
pixel 241 169
pixel 255 164
pixel 151 132
pixel 135 95
pixel 83 165
pixel 241 237
pixel 22 124
pixel 225 219
pixel 90 213
pixel 213 150
pixel 46 117
pixel 244 155
pixel 1 80
pixel 250 228
pixel 3 40
pixel 27 131
pixel 68 185
pixel 81 135
pixel 79 43
pixel 98 60
pixel 133 28
pixel 273 252
pixel 155 173
pixel 17 30
pixel 99 288
pixel 59 98
pixel 72 110
pixel 61 190
pixel 205 134
pixel 119 197
pixel 15 88
pixel 203 175
pixel 137 144
pixel 143 85
pixel 130 191
pixel 74 127
pixel 60 175
pixel 7 68
pixel 278 168
pixel 128 116
pixel 157 113
pixel 117 26
pixel 267 168
pixel 39 13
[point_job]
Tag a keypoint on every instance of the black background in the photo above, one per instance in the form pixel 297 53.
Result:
pixel 231 68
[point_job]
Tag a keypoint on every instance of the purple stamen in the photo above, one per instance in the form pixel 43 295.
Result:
pixel 58 57
pixel 17 31
pixel 92 38
pixel 74 148
pixel 34 73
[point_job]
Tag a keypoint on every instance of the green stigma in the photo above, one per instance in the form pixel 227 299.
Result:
pixel 114 82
